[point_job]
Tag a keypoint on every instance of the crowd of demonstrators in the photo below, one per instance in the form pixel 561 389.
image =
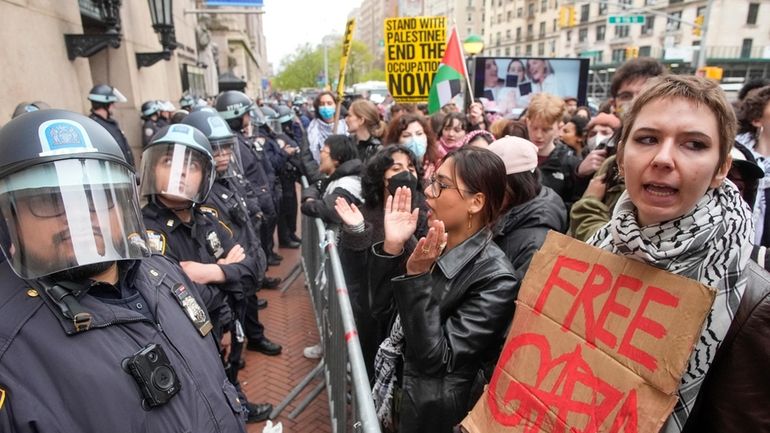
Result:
pixel 438 218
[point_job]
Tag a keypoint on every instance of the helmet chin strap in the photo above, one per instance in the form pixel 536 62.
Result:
pixel 186 206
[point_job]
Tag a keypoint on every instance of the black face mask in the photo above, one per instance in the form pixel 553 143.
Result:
pixel 404 178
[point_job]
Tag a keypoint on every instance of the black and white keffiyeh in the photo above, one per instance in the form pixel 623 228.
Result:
pixel 385 366
pixel 711 244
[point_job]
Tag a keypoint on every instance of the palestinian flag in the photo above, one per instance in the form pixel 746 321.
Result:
pixel 448 79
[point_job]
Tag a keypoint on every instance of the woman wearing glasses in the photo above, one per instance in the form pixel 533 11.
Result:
pixel 454 296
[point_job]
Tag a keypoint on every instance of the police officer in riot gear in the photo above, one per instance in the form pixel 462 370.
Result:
pixel 103 99
pixel 186 102
pixel 87 316
pixel 177 175
pixel 238 110
pixel 228 200
pixel 288 131
pixel 150 112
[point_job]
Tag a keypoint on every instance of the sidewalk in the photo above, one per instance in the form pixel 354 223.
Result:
pixel 289 321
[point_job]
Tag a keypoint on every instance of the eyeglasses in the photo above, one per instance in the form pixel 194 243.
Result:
pixel 51 205
pixel 435 186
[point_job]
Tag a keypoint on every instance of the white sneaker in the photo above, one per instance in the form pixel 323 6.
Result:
pixel 313 352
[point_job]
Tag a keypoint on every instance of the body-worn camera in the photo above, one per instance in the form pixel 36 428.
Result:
pixel 153 372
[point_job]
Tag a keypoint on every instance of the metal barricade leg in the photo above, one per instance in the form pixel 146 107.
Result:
pixel 318 370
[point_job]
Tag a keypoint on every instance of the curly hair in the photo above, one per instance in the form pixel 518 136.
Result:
pixel 373 179
pixel 400 123
pixel 752 109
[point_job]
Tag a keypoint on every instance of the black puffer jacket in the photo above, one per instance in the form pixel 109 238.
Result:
pixel 559 173
pixel 345 182
pixel 454 319
pixel 522 230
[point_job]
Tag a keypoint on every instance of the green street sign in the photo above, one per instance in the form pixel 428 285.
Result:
pixel 625 19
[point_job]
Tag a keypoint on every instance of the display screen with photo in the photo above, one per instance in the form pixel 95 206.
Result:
pixel 510 82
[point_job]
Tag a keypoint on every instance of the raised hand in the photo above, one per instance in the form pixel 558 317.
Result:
pixel 349 213
pixel 400 220
pixel 428 249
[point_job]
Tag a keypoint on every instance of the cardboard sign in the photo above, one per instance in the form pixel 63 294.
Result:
pixel 414 47
pixel 598 343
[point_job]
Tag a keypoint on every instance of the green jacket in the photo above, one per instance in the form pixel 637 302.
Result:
pixel 590 213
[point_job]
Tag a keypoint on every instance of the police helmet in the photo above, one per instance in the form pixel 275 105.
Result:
pixel 67 195
pixel 285 114
pixel 186 102
pixel 178 165
pixel 149 108
pixel 28 107
pixel 104 94
pixel 272 117
pixel 258 118
pixel 223 142
pixel 233 104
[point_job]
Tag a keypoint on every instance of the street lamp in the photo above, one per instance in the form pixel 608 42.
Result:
pixel 87 45
pixel 473 44
pixel 161 14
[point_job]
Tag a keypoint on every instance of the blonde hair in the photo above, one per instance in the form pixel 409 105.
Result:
pixel 369 113
pixel 546 107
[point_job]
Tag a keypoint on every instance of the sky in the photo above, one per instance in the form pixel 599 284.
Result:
pixel 292 23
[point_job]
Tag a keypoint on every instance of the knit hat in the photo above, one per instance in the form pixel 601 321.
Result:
pixel 604 119
pixel 518 154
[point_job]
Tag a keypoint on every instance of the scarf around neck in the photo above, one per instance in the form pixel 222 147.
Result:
pixel 444 147
pixel 710 244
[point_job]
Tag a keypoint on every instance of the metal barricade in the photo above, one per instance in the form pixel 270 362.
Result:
pixel 350 398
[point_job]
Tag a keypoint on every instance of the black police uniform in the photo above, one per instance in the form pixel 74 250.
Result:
pixel 289 175
pixel 53 378
pixel 204 240
pixel 274 159
pixel 111 125
pixel 149 128
pixel 231 208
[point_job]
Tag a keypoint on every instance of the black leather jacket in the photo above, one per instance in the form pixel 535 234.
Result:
pixel 455 320
pixel 736 391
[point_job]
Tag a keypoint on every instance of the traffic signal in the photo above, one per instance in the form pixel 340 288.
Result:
pixel 572 16
pixel 567 16
pixel 696 31
pixel 632 52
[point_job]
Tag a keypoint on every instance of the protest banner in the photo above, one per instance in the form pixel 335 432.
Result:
pixel 346 44
pixel 414 47
pixel 598 343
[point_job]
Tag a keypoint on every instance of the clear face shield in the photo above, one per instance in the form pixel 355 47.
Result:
pixel 227 157
pixel 120 96
pixel 176 172
pixel 70 213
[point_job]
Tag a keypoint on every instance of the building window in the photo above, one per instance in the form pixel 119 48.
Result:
pixel 530 31
pixel 674 24
pixel 753 12
pixel 650 2
pixel 517 51
pixel 507 51
pixel 569 35
pixel 583 35
pixel 649 24
pixel 508 35
pixel 619 55
pixel 621 31
pixel 746 48
pixel 541 49
pixel 645 51
pixel 509 16
pixel 600 31
pixel 519 12
pixel 497 40
pixel 674 1
pixel 542 29
pixel 543 5
pixel 528 52
pixel 584 11
pixel 518 34
pixel 470 31
pixel 499 18
pixel 553 47
pixel 470 17
pixel 602 8
pixel 555 22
